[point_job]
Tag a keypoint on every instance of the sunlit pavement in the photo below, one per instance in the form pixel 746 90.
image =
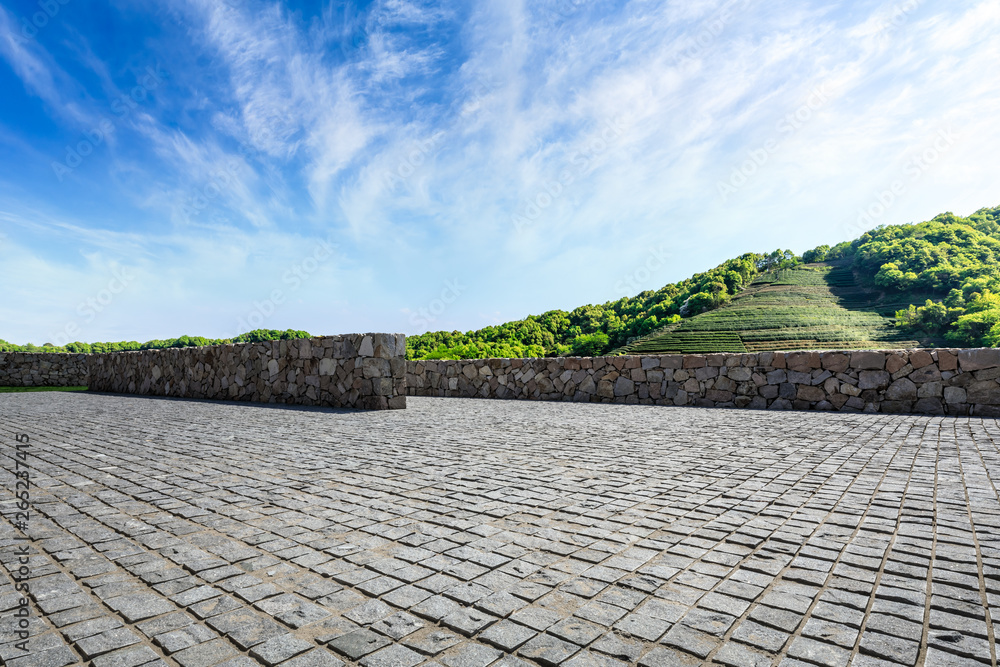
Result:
pixel 473 533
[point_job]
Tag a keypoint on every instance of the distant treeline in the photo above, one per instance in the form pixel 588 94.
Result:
pixel 184 341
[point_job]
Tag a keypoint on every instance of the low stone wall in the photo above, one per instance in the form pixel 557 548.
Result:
pixel 927 381
pixel 42 369
pixel 365 371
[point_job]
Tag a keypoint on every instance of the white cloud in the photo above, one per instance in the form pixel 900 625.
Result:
pixel 514 95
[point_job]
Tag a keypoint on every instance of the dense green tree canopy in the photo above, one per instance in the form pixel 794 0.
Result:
pixel 954 257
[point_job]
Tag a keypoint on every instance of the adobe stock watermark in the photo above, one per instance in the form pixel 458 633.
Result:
pixel 711 30
pixel 48 10
pixel 421 152
pixel 412 161
pixel 426 316
pixel 293 277
pixel 898 16
pixel 581 164
pixel 786 126
pixel 121 107
pixel 914 168
pixel 563 8
pixel 221 181
pixel 483 88
pixel 92 306
pixel 632 283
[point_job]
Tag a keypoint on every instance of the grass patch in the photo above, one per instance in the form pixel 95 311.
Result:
pixel 20 390
pixel 814 306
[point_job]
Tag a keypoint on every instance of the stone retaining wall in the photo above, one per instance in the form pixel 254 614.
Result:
pixel 42 369
pixel 365 371
pixel 928 381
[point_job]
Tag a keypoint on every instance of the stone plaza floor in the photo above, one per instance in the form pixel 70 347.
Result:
pixel 468 533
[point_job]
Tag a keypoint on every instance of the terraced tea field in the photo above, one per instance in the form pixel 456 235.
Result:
pixel 810 307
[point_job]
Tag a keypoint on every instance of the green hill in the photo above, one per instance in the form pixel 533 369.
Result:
pixel 928 283
pixel 807 307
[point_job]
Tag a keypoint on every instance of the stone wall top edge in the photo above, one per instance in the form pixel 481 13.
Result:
pixel 724 354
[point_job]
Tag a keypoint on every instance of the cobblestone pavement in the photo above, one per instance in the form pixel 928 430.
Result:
pixel 468 533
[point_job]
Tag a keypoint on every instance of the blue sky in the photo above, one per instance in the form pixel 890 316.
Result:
pixel 208 166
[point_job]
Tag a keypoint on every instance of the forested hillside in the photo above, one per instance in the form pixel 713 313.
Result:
pixel 954 260
pixel 591 330
pixel 948 264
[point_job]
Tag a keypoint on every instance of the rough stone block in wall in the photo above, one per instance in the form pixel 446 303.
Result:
pixel 365 371
pixel 42 369
pixel 930 381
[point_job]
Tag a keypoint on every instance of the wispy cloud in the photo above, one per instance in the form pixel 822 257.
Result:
pixel 419 133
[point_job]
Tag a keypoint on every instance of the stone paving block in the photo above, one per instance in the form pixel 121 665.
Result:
pixel 834 633
pixel 709 622
pixel 106 641
pixel 215 606
pixel 157 626
pixel 589 659
pixel 315 658
pixel 367 613
pixel 577 631
pixel 600 613
pixel 941 658
pixel 204 655
pixel 642 626
pixel 59 656
pixel 279 649
pixel 537 618
pixel 432 641
pixel 436 607
pixel 780 619
pixel 818 653
pixel 246 628
pixel 611 644
pixel 393 656
pixel 76 615
pixel 468 621
pixel 140 606
pixel 737 655
pixel 954 642
pixel 470 654
pixel 547 650
pixel 507 635
pixel 355 645
pixel 760 636
pixel 90 628
pixel 662 656
pixel 398 625
pixel 332 628
pixel 345 600
pixel 691 640
pixel 127 658
pixel 177 640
